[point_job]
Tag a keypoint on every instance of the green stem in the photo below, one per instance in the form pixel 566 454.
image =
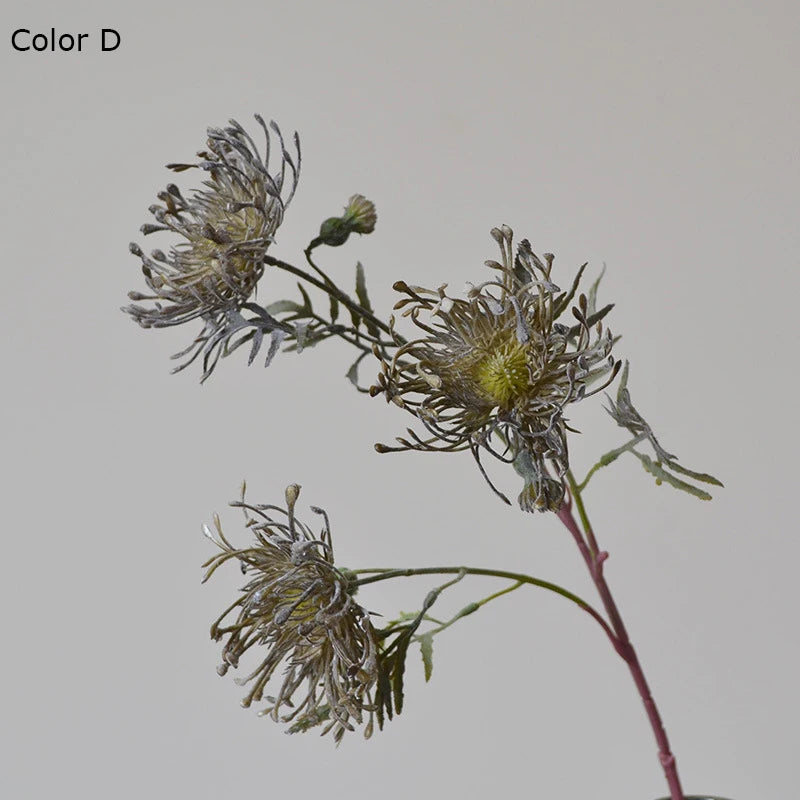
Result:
pixel 386 574
pixel 610 457
pixel 349 335
pixel 307 252
pixel 471 608
pixel 331 289
pixel 575 491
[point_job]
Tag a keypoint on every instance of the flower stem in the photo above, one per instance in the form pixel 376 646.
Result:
pixel 385 574
pixel 594 559
pixel 331 289
pixel 471 608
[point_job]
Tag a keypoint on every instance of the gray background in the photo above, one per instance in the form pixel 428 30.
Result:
pixel 660 138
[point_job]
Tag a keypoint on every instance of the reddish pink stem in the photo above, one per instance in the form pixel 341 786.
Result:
pixel 594 559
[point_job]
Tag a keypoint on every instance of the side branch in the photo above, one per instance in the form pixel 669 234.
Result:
pixel 385 574
pixel 331 289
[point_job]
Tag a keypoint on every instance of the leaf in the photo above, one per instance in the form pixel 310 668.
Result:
pixel 622 383
pixel 660 474
pixel 566 298
pixel 612 455
pixel 352 373
pixel 383 694
pixel 592 296
pixel 389 691
pixel 284 307
pixel 426 648
pixel 626 416
pixel 397 675
pixel 275 342
pixel 310 720
pixel 334 309
pixel 698 476
pixel 301 336
pixel 363 298
pixel 258 338
pixel 591 321
pixel 307 307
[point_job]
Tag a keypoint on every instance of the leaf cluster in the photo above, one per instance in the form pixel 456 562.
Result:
pixel 663 466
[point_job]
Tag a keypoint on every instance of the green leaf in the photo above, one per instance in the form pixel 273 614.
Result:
pixel 626 416
pixel 363 298
pixel 307 307
pixel 390 684
pixel 310 720
pixel 426 648
pixel 397 674
pixel 660 474
pixel 383 693
pixel 352 373
pixel 698 476
pixel 334 309
pixel 283 307
pixel 612 455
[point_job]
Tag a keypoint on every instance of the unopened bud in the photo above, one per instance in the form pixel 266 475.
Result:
pixel 334 231
pixel 359 217
pixel 360 214
pixel 292 493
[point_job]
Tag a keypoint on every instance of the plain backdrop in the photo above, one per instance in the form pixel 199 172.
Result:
pixel 660 138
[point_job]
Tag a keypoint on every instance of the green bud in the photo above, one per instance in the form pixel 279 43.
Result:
pixel 334 231
pixel 359 217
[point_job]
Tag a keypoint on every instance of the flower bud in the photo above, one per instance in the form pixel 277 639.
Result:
pixel 360 213
pixel 359 217
pixel 334 231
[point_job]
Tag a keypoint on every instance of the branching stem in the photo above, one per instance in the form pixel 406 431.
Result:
pixel 443 626
pixel 331 289
pixel 385 574
pixel 595 558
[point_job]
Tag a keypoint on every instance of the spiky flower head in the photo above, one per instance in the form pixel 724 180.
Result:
pixel 495 371
pixel 225 229
pixel 298 608
pixel 359 217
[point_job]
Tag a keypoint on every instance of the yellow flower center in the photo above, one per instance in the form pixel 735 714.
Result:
pixel 503 373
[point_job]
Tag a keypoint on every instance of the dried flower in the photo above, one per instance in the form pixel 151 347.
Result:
pixel 299 606
pixel 495 371
pixel 359 217
pixel 226 229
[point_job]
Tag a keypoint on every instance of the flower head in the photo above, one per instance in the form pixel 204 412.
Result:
pixel 360 213
pixel 299 607
pixel 359 217
pixel 496 370
pixel 225 230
